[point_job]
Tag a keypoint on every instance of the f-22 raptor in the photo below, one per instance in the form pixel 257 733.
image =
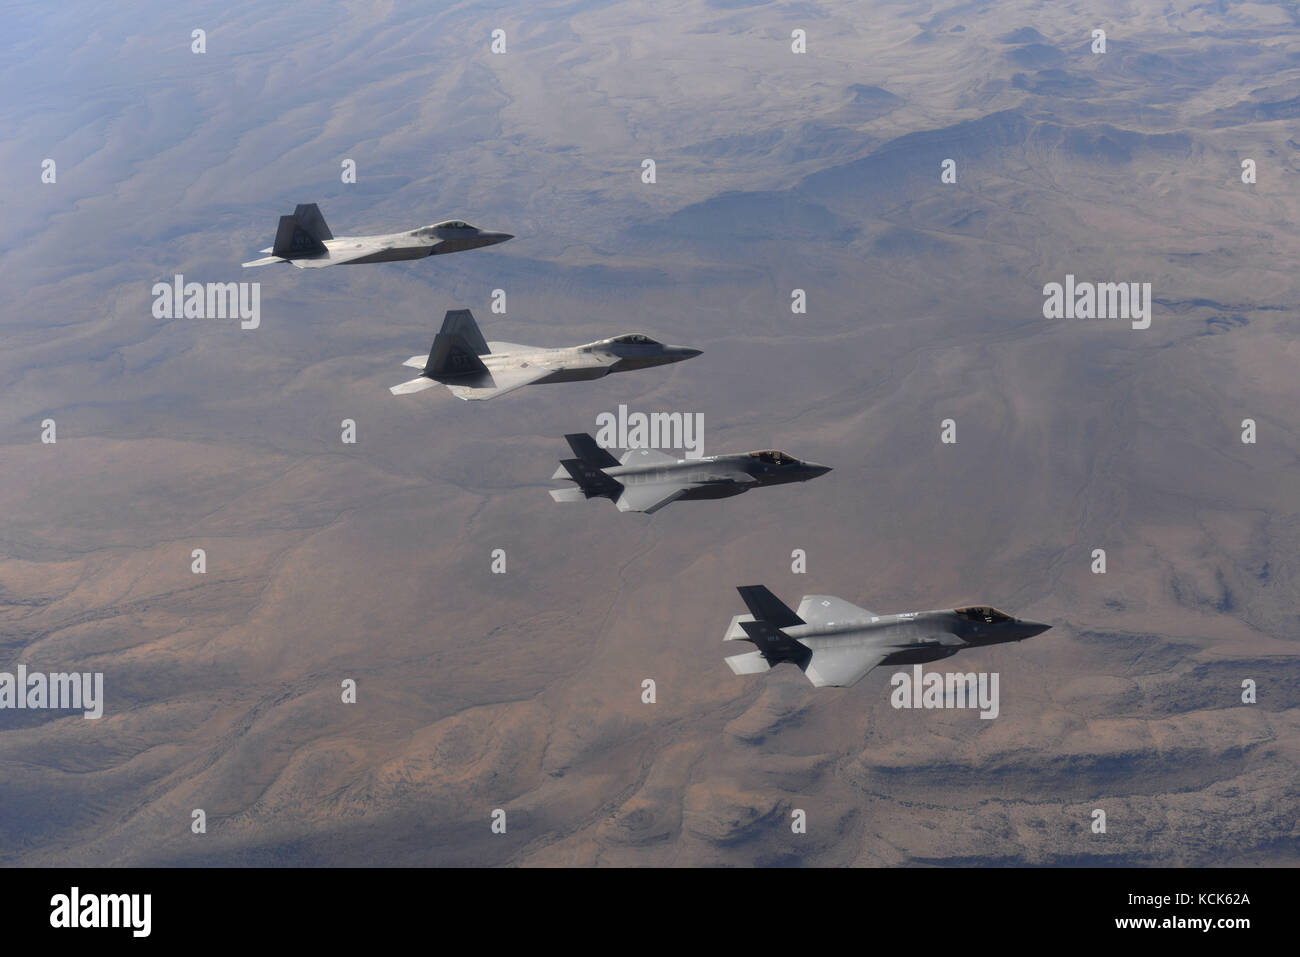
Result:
pixel 836 643
pixel 645 480
pixel 474 369
pixel 304 240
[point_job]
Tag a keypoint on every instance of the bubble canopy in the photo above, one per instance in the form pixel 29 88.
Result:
pixel 773 457
pixel 985 613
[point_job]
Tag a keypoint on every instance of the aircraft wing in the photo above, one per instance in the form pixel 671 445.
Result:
pixel 339 253
pixel 503 380
pixel 646 457
pixel 264 262
pixel 650 498
pixel 827 610
pixel 940 640
pixel 843 666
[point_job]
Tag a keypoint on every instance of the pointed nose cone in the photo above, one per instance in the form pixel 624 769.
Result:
pixel 814 470
pixel 494 238
pixel 678 353
pixel 1032 628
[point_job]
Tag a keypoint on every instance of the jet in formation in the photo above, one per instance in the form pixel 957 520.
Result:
pixel 836 643
pixel 304 240
pixel 474 369
pixel 645 480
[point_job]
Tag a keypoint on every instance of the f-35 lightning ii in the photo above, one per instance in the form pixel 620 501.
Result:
pixel 836 643
pixel 474 369
pixel 304 240
pixel 645 480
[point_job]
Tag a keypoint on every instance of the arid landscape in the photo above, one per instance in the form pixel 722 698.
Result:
pixel 775 171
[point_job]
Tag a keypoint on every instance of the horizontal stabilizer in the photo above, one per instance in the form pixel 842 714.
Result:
pixel 590 478
pixel 414 385
pixel 775 645
pixel 568 495
pixel 476 393
pixel 750 663
pixel 268 261
pixel 734 631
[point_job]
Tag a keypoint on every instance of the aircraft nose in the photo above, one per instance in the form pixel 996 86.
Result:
pixel 815 470
pixel 1031 628
pixel 681 352
pixel 495 238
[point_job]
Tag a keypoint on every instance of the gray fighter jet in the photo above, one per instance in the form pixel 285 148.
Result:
pixel 645 480
pixel 304 240
pixel 836 643
pixel 474 369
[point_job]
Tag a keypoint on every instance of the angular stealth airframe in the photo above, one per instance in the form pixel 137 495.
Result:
pixel 645 480
pixel 836 643
pixel 474 369
pixel 304 240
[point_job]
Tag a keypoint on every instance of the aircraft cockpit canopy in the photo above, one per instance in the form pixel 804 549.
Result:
pixel 635 339
pixel 985 613
pixel 773 457
pixel 454 224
